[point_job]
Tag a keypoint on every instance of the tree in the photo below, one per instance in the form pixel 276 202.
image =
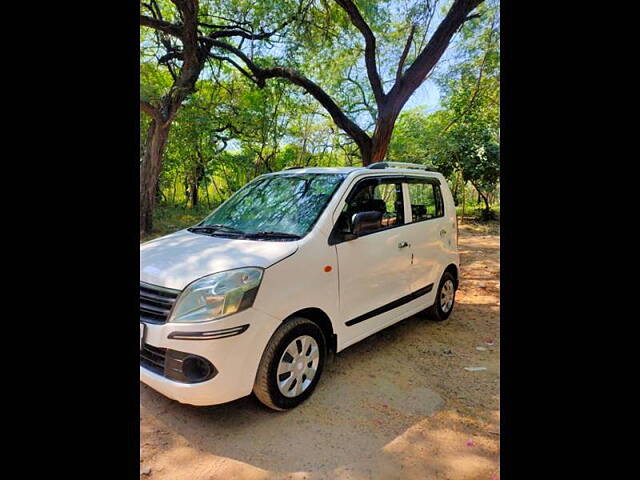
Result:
pixel 184 60
pixel 207 122
pixel 418 138
pixel 163 112
pixel 388 104
pixel 472 93
pixel 462 139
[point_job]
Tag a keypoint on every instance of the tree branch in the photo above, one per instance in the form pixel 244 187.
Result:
pixel 476 89
pixel 237 52
pixel 405 52
pixel 260 75
pixel 161 25
pixel 234 63
pixel 191 56
pixel 338 116
pixel 369 50
pixel 174 55
pixel 242 32
pixel 150 110
pixel 369 108
pixel 192 60
pixel 222 27
pixel 236 32
pixel 430 55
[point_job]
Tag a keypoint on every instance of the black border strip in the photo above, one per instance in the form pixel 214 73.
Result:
pixel 209 335
pixel 391 306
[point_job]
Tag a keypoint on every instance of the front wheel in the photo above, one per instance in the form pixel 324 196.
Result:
pixel 291 364
pixel 445 298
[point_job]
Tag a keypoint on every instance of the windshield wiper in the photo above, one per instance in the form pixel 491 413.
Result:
pixel 269 234
pixel 214 228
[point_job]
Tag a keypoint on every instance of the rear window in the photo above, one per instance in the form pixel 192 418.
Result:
pixel 426 200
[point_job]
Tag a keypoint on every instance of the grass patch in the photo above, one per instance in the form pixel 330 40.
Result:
pixel 171 218
pixel 478 227
pixel 474 210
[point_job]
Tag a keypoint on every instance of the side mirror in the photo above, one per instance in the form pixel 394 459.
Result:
pixel 364 222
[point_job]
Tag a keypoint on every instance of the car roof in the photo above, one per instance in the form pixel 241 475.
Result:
pixel 303 170
pixel 358 171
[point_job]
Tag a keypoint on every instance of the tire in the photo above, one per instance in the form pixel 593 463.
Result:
pixel 441 310
pixel 289 337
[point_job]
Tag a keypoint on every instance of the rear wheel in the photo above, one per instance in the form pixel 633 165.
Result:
pixel 445 298
pixel 291 364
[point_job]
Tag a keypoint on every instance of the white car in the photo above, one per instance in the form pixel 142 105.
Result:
pixel 294 264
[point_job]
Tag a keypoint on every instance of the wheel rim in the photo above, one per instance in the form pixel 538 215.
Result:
pixel 298 366
pixel 446 296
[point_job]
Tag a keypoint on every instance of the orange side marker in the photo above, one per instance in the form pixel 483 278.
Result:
pixel 328 268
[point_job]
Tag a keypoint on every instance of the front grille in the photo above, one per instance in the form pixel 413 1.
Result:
pixel 156 303
pixel 153 358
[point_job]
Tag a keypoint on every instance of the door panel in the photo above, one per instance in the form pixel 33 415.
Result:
pixel 373 267
pixel 426 246
pixel 427 233
pixel 373 273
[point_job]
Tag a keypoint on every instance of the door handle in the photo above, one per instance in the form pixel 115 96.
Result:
pixel 404 245
pixel 443 233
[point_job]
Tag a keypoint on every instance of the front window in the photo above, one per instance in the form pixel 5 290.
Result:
pixel 284 206
pixel 379 194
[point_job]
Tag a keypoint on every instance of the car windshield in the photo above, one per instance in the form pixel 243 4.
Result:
pixel 285 206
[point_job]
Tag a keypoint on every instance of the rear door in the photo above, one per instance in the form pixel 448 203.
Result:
pixel 373 267
pixel 427 230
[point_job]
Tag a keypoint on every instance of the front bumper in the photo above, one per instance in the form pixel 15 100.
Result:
pixel 235 358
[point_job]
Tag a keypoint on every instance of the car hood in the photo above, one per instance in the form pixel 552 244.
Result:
pixel 176 260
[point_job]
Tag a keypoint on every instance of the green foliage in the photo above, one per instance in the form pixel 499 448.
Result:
pixel 170 218
pixel 462 140
pixel 229 131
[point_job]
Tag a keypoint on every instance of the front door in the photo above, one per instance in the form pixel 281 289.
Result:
pixel 374 267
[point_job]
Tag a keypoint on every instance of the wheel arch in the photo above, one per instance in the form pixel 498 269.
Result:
pixel 453 270
pixel 319 317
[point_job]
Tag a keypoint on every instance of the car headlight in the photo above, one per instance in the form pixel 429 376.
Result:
pixel 217 295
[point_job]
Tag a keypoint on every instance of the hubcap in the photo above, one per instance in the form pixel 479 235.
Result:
pixel 298 366
pixel 446 296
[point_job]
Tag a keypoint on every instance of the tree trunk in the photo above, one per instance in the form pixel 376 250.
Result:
pixel 215 186
pixel 464 196
pixel 487 208
pixel 186 183
pixel 206 190
pixel 482 197
pixel 193 193
pixel 377 150
pixel 486 213
pixel 175 185
pixel 194 180
pixel 150 173
pixel 162 114
pixel 159 194
pixel 456 186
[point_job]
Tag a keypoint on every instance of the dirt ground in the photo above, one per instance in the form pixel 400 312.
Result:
pixel 398 404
